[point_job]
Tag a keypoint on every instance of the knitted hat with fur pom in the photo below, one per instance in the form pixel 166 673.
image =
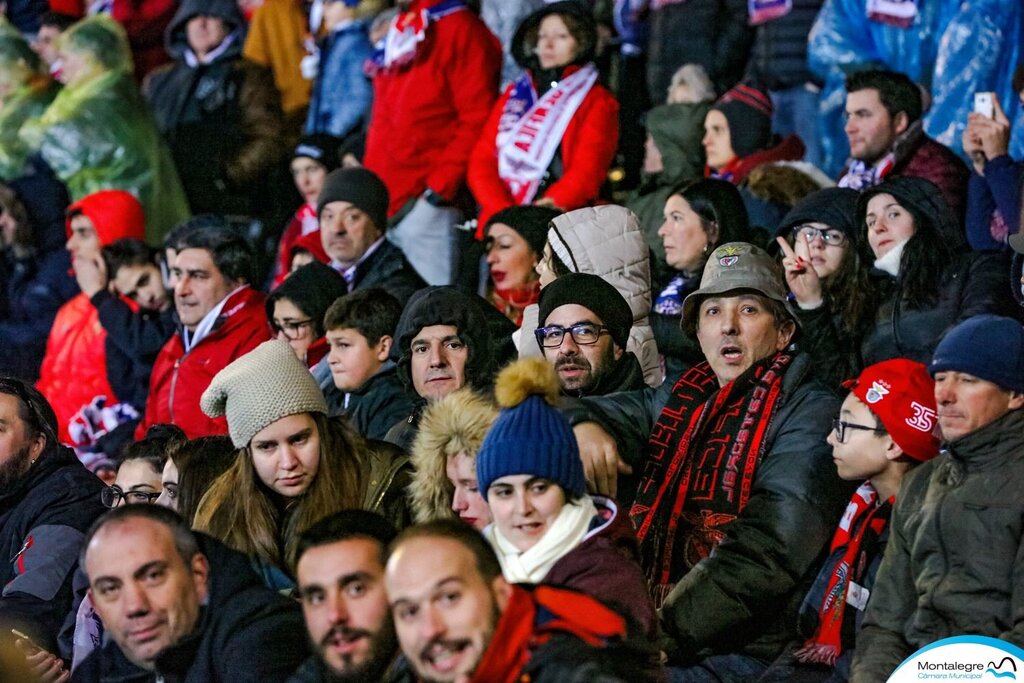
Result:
pixel 530 436
pixel 260 388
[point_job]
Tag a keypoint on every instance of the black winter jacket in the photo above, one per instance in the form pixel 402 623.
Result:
pixel 778 59
pixel 955 559
pixel 744 598
pixel 387 268
pixel 43 520
pixel 246 634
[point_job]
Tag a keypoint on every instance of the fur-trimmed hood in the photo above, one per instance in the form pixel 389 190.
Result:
pixel 455 424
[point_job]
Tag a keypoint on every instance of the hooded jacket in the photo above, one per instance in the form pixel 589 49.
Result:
pixel 179 379
pixel 312 289
pixel 588 145
pixel 228 107
pixel 74 370
pixel 428 115
pixel 43 519
pixel 953 564
pixel 606 241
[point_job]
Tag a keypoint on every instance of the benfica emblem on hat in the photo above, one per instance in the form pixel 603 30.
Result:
pixel 876 393
pixel 728 256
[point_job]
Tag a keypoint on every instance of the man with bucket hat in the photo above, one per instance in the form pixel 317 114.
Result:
pixel 738 494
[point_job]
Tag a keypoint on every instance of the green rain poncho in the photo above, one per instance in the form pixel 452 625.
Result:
pixel 27 91
pixel 98 134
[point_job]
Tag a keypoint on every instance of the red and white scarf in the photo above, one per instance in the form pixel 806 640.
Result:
pixel 531 129
pixel 409 29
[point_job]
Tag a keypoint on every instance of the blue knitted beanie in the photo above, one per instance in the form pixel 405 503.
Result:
pixel 989 347
pixel 530 436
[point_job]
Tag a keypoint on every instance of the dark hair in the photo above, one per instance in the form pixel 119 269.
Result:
pixel 33 409
pixel 718 202
pixel 199 462
pixel 577 19
pixel 127 252
pixel 10 202
pixel 371 312
pixel 151 449
pixel 230 251
pixel 58 20
pixel 895 90
pixel 185 541
pixel 346 525
pixel 1018 79
pixel 460 532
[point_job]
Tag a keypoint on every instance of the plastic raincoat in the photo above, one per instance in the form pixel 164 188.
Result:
pixel 98 134
pixel 29 91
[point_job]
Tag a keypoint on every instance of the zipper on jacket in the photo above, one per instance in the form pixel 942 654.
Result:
pixel 174 383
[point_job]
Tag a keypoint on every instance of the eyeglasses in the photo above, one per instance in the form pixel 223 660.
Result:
pixel 112 496
pixel 840 427
pixel 831 238
pixel 583 334
pixel 291 328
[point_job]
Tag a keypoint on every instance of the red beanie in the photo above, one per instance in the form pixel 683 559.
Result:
pixel 115 214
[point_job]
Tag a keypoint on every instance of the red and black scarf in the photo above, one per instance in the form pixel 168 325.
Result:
pixel 863 516
pixel 702 456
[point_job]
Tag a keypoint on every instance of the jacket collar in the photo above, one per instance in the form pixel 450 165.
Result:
pixel 991 445
pixel 49 461
pixel 624 375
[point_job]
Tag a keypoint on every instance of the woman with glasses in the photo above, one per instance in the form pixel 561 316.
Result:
pixel 698 216
pixel 296 309
pixel 923 280
pixel 828 279
pixel 140 468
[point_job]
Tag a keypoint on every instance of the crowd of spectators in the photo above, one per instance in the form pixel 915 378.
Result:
pixel 473 341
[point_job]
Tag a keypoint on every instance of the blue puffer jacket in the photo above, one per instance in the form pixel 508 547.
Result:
pixel 342 94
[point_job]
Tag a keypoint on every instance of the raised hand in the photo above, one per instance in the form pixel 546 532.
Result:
pixel 801 277
pixel 600 456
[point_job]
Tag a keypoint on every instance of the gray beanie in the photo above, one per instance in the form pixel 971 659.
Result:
pixel 261 387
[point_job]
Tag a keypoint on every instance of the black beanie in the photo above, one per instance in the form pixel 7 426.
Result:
pixel 749 113
pixel 312 288
pixel 321 148
pixel 532 222
pixel 836 207
pixel 360 188
pixel 593 293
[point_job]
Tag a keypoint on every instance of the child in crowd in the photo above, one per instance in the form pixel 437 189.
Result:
pixel 363 382
pixel 885 428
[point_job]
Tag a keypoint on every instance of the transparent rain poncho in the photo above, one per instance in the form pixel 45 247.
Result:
pixel 98 133
pixel 26 90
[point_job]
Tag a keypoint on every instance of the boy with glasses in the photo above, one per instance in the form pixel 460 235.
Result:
pixel 885 428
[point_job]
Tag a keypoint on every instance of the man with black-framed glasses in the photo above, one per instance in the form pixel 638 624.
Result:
pixel 584 328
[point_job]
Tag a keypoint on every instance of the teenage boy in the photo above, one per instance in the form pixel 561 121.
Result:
pixel 363 382
pixel 885 428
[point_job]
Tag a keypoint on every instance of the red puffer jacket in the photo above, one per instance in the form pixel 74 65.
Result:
pixel 588 149
pixel 74 369
pixel 179 379
pixel 428 115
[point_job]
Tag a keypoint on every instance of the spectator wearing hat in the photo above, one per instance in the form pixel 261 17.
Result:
pixel 296 309
pixel 583 333
pixel 312 159
pixel 738 135
pixel 605 241
pixel 546 528
pixel 342 94
pixel 211 98
pixel 295 465
pixel 887 138
pixel 954 556
pixel 514 244
pixel 828 277
pixel 352 209
pixel 729 542
pixel 885 428
pixel 552 135
pixel 74 373
pixel 443 342
pixel 220 317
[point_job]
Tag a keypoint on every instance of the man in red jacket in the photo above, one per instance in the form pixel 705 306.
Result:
pixel 220 316
pixel 437 83
pixel 74 370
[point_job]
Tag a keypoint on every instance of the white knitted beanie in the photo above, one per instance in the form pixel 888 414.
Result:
pixel 261 387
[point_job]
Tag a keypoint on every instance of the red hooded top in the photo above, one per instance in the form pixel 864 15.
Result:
pixel 74 370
